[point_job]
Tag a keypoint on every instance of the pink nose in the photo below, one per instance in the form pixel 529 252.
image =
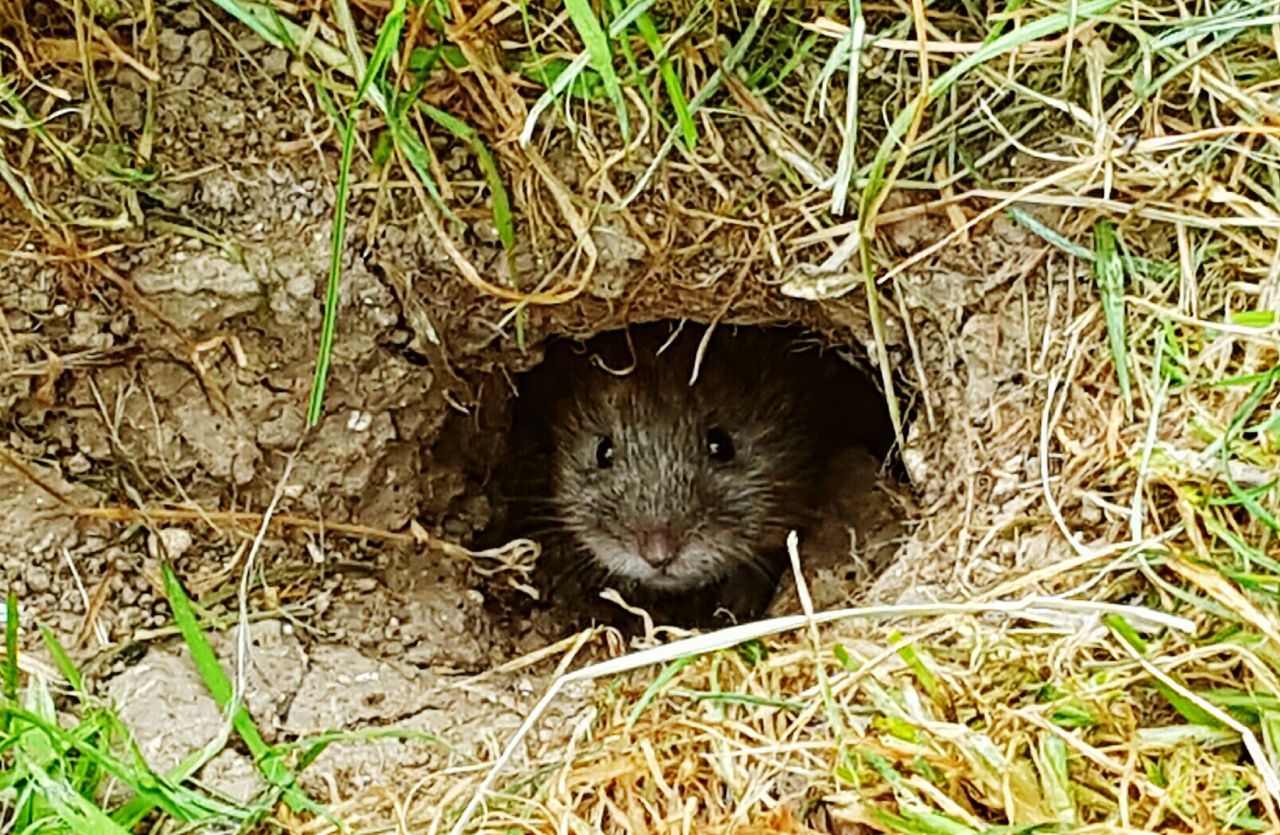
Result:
pixel 658 545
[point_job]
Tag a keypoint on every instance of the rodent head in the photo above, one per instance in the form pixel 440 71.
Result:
pixel 672 486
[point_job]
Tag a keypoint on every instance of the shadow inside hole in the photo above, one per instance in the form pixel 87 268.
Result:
pixel 772 389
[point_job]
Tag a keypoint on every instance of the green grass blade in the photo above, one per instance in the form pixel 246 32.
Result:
pixel 388 42
pixel 635 76
pixel 215 679
pixel 1189 29
pixel 11 648
pixel 1108 271
pixel 597 45
pixel 503 220
pixel 1050 24
pixel 1247 500
pixel 133 812
pixel 1055 778
pixel 261 19
pixel 60 657
pixel 668 673
pixel 924 675
pixel 670 80
pixel 75 811
pixel 47 742
pixel 418 156
pixel 329 326
pixel 570 73
pixel 502 217
pixel 1190 711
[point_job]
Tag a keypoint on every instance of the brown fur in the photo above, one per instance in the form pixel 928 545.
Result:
pixel 729 519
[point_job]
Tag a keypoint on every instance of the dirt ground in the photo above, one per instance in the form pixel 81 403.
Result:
pixel 167 376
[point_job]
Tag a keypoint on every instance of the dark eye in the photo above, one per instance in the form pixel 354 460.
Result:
pixel 719 445
pixel 604 453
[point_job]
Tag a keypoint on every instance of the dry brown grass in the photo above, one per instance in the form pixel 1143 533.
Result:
pixel 1116 667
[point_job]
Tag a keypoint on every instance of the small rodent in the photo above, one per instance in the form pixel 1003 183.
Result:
pixel 681 495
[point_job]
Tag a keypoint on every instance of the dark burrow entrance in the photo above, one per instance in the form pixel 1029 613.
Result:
pixel 669 461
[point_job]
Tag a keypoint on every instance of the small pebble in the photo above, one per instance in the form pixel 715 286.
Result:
pixel 176 541
pixel 275 62
pixel 171 43
pixel 201 45
pixel 195 77
pixel 37 580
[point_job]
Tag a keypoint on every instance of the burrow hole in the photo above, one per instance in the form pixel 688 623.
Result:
pixel 592 474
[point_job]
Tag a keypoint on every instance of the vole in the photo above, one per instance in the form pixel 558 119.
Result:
pixel 681 494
